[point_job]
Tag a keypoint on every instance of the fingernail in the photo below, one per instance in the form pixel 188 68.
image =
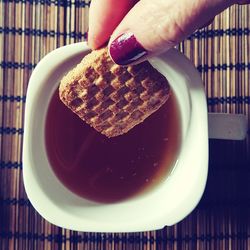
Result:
pixel 125 49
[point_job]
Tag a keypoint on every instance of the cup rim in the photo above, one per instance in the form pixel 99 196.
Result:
pixel 50 211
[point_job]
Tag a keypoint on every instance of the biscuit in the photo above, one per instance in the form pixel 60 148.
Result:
pixel 112 98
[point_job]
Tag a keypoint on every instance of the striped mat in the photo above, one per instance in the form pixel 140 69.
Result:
pixel 29 29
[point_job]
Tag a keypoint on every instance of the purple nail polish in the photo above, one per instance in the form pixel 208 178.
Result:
pixel 125 49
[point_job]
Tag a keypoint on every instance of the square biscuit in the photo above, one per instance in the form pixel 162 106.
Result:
pixel 112 98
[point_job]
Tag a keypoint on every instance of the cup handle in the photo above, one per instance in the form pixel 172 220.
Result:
pixel 227 126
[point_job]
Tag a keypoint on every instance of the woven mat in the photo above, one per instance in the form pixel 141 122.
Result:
pixel 221 52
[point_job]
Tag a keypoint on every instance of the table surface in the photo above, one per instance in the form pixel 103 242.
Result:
pixel 221 53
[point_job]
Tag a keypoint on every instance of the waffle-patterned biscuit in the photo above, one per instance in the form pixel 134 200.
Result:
pixel 111 98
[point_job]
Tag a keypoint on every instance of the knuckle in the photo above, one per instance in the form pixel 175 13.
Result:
pixel 171 32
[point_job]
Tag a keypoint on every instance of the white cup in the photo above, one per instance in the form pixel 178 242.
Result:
pixel 168 203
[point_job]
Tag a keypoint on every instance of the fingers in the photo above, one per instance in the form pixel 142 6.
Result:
pixel 104 16
pixel 152 27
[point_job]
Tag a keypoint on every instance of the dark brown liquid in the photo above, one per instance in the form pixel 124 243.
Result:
pixel 109 170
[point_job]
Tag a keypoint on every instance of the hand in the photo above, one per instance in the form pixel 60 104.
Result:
pixel 140 29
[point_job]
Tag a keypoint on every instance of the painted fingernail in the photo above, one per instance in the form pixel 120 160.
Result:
pixel 125 49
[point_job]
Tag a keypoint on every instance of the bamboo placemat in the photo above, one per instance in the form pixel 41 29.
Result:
pixel 221 52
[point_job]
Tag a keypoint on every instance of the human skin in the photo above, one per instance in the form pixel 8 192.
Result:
pixel 137 30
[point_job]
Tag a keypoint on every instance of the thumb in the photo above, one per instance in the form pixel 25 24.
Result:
pixel 152 27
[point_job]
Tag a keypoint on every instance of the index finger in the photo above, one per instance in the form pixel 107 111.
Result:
pixel 104 16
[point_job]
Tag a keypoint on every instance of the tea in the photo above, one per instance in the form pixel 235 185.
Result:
pixel 109 170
